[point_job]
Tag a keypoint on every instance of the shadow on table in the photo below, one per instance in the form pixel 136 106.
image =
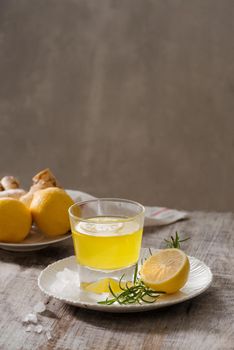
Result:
pixel 186 315
pixel 38 258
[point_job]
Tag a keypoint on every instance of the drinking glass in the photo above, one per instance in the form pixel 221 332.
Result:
pixel 107 235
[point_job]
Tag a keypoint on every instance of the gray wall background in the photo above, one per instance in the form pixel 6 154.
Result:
pixel 121 98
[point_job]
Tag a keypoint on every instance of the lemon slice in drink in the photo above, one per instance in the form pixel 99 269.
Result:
pixel 166 271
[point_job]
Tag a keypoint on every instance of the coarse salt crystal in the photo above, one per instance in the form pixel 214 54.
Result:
pixel 39 307
pixel 48 334
pixel 30 318
pixel 38 329
pixel 66 284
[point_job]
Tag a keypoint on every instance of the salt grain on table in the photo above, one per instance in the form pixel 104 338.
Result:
pixel 38 329
pixel 39 307
pixel 30 318
pixel 48 334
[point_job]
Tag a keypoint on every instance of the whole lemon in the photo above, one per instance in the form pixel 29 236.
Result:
pixel 49 209
pixel 15 220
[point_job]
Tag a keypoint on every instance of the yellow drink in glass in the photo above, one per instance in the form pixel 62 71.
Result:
pixel 107 236
pixel 107 243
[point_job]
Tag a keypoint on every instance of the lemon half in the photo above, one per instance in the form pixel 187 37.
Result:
pixel 166 271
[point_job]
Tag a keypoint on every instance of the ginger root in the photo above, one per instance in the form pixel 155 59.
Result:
pixel 42 180
pixel 9 187
pixel 9 182
pixel 16 193
pixel 27 199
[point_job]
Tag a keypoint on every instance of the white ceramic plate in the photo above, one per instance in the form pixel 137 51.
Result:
pixel 199 280
pixel 36 240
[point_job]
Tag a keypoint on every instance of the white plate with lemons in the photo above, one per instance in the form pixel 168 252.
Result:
pixel 61 281
pixel 36 240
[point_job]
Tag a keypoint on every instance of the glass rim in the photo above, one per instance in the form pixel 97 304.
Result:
pixel 130 218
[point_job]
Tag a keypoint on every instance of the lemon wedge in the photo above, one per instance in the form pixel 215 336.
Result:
pixel 102 286
pixel 166 271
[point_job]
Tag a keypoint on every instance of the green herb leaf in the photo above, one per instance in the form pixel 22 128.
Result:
pixel 175 242
pixel 135 293
pixel 135 274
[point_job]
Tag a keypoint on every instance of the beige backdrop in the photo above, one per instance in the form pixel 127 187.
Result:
pixel 121 98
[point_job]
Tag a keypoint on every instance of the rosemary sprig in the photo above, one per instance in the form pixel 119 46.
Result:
pixel 138 292
pixel 175 242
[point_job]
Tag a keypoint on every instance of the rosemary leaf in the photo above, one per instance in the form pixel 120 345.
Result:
pixel 175 242
pixel 134 293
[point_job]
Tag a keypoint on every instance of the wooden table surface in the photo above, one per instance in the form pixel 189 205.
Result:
pixel 205 322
